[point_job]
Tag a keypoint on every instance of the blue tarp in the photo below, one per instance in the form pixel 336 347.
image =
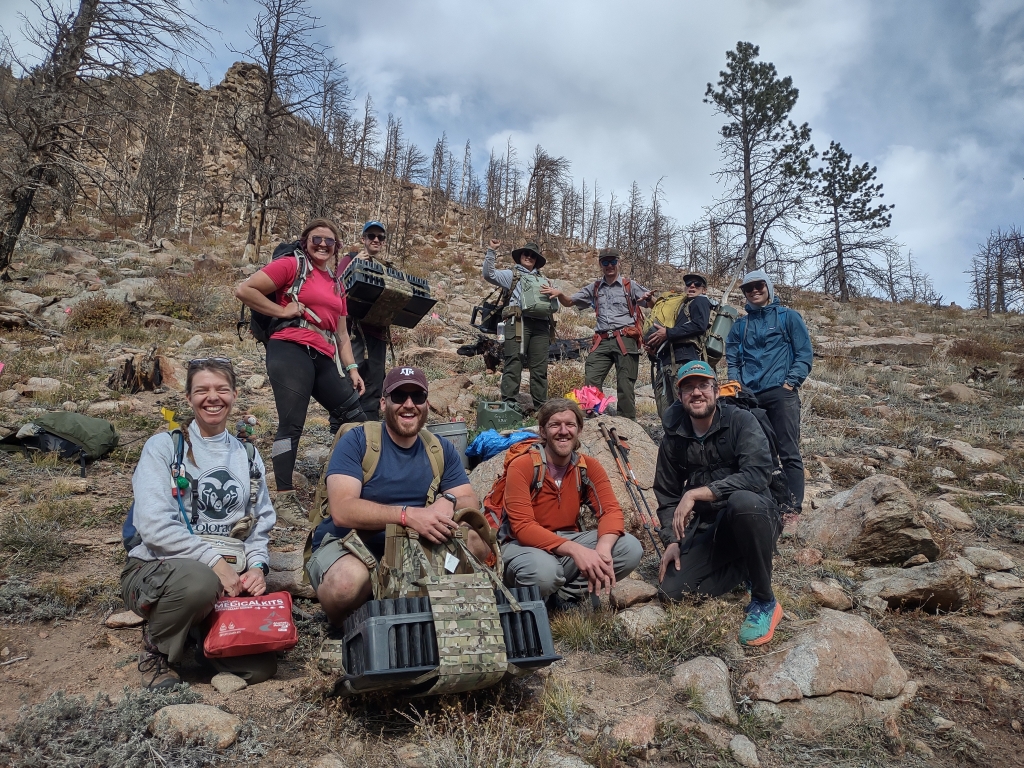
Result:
pixel 491 443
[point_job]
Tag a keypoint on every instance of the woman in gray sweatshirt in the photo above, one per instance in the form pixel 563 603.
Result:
pixel 201 540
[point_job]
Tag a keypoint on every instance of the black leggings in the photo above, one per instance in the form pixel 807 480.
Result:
pixel 298 372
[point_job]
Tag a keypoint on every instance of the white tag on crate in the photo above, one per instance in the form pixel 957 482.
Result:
pixel 451 562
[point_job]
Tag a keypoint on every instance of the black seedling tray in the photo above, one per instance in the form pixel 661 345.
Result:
pixel 364 284
pixel 389 643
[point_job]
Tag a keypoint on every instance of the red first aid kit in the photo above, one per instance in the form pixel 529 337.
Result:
pixel 240 626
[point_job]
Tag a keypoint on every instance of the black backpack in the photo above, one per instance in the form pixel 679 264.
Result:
pixel 779 485
pixel 262 326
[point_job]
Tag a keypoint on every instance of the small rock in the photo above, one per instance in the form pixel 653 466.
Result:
pixel 38 386
pixel 256 381
pixel 989 477
pixel 989 559
pixel 638 730
pixel 942 725
pixel 549 758
pixel 949 515
pixel 163 322
pixel 44 635
pixel 915 560
pixel 316 453
pixel 941 473
pixel 744 752
pixel 124 619
pixel 708 676
pixel 5 651
pixel 831 595
pixel 970 454
pixel 923 749
pixel 10 396
pixel 934 586
pixel 1004 658
pixel 958 393
pixel 193 344
pixel 1000 580
pixel 966 566
pixel 328 761
pixel 640 620
pixel 196 723
pixel 632 591
pixel 413 756
pixel 225 682
pixel 807 557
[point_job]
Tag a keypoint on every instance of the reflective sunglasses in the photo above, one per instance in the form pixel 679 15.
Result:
pixel 753 287
pixel 609 262
pixel 419 397
pixel 330 242
pixel 199 361
pixel 374 236
pixel 704 385
pixel 693 283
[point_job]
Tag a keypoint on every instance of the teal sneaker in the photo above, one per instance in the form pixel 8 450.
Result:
pixel 759 626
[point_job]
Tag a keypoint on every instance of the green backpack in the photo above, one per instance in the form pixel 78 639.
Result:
pixel 73 435
pixel 532 302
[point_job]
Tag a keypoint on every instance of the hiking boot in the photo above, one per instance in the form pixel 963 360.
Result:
pixel 289 510
pixel 157 673
pixel 759 626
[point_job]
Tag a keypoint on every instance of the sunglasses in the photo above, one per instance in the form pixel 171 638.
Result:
pixel 753 287
pixel 330 242
pixel 609 262
pixel 705 385
pixel 419 397
pixel 694 283
pixel 200 361
pixel 375 236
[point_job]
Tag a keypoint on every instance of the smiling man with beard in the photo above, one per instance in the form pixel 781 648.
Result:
pixel 542 544
pixel 397 493
pixel 718 520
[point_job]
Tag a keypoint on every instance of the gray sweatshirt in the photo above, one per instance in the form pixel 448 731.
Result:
pixel 219 485
pixel 503 277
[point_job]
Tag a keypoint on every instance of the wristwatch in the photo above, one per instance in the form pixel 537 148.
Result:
pixel 263 567
pixel 451 498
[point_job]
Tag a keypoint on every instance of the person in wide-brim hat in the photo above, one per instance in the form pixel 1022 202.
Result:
pixel 533 248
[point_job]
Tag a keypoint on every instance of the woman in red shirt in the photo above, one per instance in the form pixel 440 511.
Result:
pixel 300 352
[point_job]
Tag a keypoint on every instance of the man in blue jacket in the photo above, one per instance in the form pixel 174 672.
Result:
pixel 769 353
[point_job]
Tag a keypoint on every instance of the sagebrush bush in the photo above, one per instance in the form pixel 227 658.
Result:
pixel 564 377
pixel 99 312
pixel 187 298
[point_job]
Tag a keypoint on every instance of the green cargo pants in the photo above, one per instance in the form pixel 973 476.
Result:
pixel 536 340
pixel 175 596
pixel 627 368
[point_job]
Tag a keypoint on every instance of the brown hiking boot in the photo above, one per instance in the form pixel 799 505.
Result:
pixel 157 673
pixel 289 510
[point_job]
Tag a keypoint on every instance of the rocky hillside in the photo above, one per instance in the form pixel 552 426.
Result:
pixel 902 641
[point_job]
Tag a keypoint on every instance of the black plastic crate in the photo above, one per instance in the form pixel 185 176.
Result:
pixel 364 283
pixel 389 643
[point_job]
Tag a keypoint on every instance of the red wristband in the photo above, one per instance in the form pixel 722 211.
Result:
pixel 403 516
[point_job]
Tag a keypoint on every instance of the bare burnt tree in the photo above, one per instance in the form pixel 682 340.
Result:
pixel 766 156
pixel 292 70
pixel 44 106
pixel 997 272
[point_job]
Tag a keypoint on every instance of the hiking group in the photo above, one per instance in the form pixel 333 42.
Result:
pixel 728 467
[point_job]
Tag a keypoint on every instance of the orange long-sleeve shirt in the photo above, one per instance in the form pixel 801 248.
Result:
pixel 535 521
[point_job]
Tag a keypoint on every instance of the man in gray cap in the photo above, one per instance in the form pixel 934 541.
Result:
pixel 527 320
pixel 370 342
pixel 615 300
pixel 681 343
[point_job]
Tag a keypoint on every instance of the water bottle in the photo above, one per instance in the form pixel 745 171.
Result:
pixel 501 332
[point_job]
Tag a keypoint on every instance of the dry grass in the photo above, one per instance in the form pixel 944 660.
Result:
pixel 564 377
pixel 99 312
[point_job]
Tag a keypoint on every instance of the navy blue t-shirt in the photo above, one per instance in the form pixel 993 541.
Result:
pixel 402 478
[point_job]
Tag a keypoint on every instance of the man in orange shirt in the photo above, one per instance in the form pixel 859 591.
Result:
pixel 542 543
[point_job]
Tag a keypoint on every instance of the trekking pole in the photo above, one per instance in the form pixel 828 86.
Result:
pixel 624 451
pixel 646 521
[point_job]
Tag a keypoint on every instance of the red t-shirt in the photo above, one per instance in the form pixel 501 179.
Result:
pixel 317 293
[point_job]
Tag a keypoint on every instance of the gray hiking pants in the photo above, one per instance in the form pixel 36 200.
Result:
pixel 176 595
pixel 529 566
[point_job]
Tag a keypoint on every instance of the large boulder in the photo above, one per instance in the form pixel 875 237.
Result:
pixel 978 457
pixel 878 520
pixel 840 652
pixel 810 718
pixel 643 457
pixel 445 395
pixel 933 586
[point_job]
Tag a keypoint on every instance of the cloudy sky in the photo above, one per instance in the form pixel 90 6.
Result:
pixel 931 91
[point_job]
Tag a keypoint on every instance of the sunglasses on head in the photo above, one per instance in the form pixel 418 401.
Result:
pixel 398 397
pixel 609 261
pixel 754 287
pixel 374 236
pixel 330 242
pixel 199 361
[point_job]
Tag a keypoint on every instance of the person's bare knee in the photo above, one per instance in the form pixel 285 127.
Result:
pixel 345 587
pixel 480 549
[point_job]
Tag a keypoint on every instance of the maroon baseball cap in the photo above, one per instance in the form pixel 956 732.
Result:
pixel 404 374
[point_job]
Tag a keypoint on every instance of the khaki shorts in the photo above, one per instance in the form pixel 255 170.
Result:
pixel 330 551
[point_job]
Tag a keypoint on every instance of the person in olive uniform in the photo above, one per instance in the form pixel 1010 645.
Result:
pixel 615 300
pixel 530 339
